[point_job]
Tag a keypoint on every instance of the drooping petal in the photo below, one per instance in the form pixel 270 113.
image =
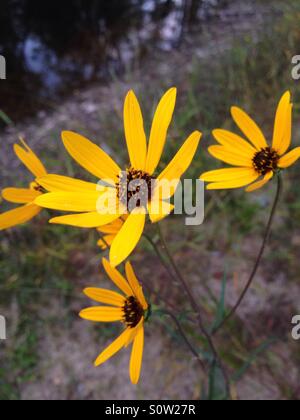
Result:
pixel 161 122
pixel 289 159
pixel 249 128
pixel 84 220
pixel 102 314
pixel 114 227
pixel 91 157
pixel 105 296
pixel 137 356
pixel 117 278
pixel 159 209
pixel 283 125
pixel 221 153
pixel 106 241
pixel 57 183
pixel 18 216
pixel 19 195
pixel 134 132
pixel 113 348
pixel 70 201
pixel 234 143
pixel 227 174
pixel 260 184
pixel 128 237
pixel 234 183
pixel 29 159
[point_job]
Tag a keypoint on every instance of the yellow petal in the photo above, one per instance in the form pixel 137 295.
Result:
pixel 181 161
pixel 18 216
pixel 227 174
pixel 134 132
pixel 135 285
pixel 102 314
pixel 117 278
pixel 289 159
pixel 133 332
pixel 91 157
pixel 20 195
pixel 283 125
pixel 260 184
pixel 57 183
pixel 105 296
pixel 161 122
pixel 106 241
pixel 249 128
pixel 84 220
pixel 114 227
pixel 234 143
pixel 69 201
pixel 137 356
pixel 111 350
pixel 128 237
pixel 235 183
pixel 30 159
pixel 158 210
pixel 221 153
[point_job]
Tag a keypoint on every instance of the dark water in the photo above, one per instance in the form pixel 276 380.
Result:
pixel 53 47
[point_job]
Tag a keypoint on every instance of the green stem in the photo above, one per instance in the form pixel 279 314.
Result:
pixel 158 253
pixel 259 257
pixel 185 338
pixel 197 310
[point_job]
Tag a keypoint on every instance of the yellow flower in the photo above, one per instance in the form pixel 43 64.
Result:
pixel 144 159
pixel 24 196
pixel 109 232
pixel 254 159
pixel 130 308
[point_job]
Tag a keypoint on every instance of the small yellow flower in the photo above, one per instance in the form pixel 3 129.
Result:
pixel 109 232
pixel 130 308
pixel 144 160
pixel 24 196
pixel 254 159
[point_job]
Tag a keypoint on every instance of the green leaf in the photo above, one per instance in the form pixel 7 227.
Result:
pixel 252 358
pixel 5 118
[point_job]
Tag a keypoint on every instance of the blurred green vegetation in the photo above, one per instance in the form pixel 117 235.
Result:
pixel 38 261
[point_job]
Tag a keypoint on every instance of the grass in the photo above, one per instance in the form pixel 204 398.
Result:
pixel 39 262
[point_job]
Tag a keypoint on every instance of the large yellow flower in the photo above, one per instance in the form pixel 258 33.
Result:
pixel 25 196
pixel 93 204
pixel 130 308
pixel 256 158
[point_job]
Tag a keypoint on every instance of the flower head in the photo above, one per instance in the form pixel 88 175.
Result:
pixel 134 191
pixel 25 196
pixel 130 308
pixel 255 158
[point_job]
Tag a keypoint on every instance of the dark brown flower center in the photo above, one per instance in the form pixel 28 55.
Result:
pixel 266 161
pixel 133 312
pixel 134 188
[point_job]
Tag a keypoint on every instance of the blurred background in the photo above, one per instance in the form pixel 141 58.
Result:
pixel 69 66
